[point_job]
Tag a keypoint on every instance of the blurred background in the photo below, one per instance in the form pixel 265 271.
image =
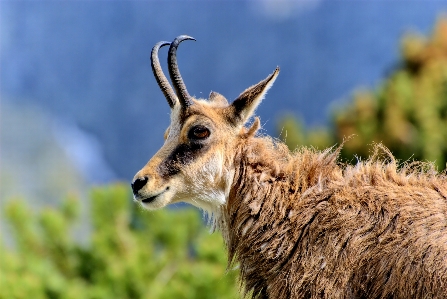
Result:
pixel 80 108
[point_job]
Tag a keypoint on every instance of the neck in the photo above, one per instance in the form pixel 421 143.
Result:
pixel 269 188
pixel 254 199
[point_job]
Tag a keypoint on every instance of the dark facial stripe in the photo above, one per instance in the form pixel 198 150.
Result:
pixel 182 155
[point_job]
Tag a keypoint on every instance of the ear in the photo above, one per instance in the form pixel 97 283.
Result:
pixel 218 99
pixel 244 106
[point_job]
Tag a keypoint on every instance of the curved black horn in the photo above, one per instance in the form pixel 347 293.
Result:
pixel 162 81
pixel 174 73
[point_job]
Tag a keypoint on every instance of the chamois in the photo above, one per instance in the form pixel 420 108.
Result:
pixel 299 224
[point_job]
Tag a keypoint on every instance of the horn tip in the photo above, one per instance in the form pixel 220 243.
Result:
pixel 185 37
pixel 160 45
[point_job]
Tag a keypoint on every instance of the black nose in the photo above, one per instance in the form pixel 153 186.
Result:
pixel 138 184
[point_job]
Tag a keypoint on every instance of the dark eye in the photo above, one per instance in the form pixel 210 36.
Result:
pixel 198 132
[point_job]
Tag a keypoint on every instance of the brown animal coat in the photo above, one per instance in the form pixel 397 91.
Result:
pixel 302 226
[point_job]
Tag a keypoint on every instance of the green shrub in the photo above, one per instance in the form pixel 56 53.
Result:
pixel 131 253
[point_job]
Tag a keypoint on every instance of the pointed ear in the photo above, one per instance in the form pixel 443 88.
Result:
pixel 244 106
pixel 218 99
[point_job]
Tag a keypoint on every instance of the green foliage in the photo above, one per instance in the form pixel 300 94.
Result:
pixel 131 253
pixel 407 112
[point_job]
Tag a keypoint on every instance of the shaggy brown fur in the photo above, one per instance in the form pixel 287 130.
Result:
pixel 302 226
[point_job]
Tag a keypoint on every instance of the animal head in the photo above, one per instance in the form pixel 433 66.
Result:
pixel 195 163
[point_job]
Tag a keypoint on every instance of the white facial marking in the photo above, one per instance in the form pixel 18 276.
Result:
pixel 207 186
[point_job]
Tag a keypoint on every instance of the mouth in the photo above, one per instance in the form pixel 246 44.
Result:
pixel 154 197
